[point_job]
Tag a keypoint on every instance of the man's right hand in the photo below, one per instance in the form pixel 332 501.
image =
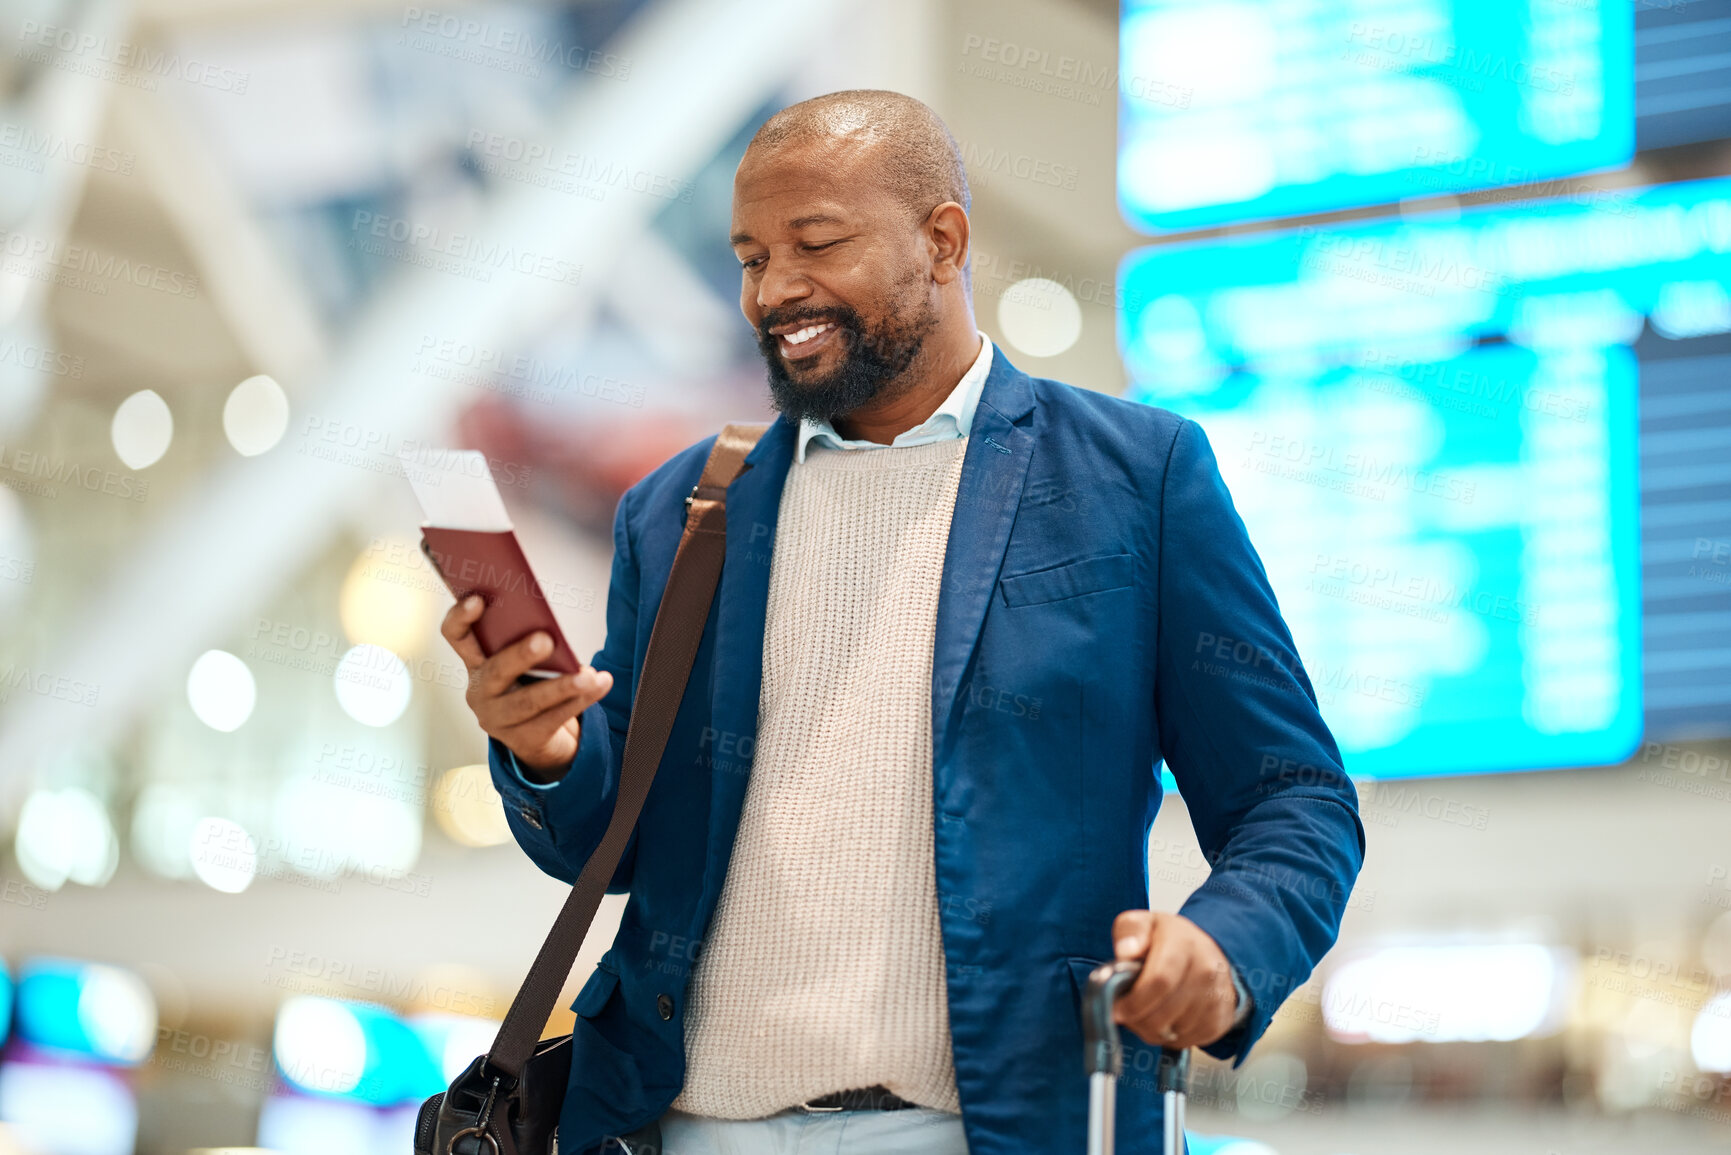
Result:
pixel 538 723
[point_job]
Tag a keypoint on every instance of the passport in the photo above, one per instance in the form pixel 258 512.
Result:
pixel 469 539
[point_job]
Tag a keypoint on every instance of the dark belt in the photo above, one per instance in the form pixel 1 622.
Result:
pixel 861 1099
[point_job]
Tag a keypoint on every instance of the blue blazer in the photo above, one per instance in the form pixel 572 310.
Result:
pixel 1102 609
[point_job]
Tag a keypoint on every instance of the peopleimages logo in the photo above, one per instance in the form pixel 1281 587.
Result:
pixel 466 252
pixel 152 62
pixel 1399 49
pixel 383 451
pixel 60 687
pixel 1062 76
pixel 319 973
pixel 502 46
pixel 39 475
pixel 583 168
pixel 985 164
pixel 40 359
pixel 36 145
pixel 518 374
pixel 88 268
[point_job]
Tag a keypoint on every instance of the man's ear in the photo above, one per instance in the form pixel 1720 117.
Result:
pixel 947 241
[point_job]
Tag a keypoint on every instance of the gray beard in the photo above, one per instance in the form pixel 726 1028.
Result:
pixel 872 365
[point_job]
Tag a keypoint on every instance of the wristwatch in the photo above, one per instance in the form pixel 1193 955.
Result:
pixel 1241 1011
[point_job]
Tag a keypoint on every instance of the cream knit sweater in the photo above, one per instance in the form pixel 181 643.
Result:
pixel 824 966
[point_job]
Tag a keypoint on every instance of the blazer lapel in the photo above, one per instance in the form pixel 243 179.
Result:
pixel 993 470
pixel 742 602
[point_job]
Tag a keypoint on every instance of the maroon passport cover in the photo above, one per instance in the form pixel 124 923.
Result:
pixel 491 563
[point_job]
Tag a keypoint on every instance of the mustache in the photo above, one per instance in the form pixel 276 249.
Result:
pixel 775 318
pixel 870 359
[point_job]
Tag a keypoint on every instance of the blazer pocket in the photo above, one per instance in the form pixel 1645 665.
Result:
pixel 1089 576
pixel 595 993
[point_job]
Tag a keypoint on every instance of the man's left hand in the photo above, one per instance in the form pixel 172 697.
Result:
pixel 1184 996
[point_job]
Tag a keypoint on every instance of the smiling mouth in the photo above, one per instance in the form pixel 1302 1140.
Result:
pixel 805 341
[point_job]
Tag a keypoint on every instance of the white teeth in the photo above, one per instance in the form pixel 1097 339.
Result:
pixel 807 333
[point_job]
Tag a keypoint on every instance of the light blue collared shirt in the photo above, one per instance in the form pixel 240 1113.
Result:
pixel 951 420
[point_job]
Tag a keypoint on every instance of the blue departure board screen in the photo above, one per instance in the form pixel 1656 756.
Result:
pixel 1250 109
pixel 1429 425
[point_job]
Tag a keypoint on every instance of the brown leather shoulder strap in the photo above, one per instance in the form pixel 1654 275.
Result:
pixel 673 643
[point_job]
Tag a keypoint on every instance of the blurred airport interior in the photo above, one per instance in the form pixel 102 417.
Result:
pixel 1447 283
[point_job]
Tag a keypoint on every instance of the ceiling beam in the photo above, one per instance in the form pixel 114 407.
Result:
pixel 260 297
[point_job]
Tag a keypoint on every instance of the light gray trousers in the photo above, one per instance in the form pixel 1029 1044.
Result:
pixel 914 1131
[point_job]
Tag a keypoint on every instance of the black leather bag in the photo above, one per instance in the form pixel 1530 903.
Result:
pixel 465 1119
pixel 507 1101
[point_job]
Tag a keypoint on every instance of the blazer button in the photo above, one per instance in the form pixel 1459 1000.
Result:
pixel 527 814
pixel 664 1006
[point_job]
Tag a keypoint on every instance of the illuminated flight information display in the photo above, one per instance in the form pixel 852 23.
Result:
pixel 1429 425
pixel 1242 110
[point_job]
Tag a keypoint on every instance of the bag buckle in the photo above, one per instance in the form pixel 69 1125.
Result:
pixel 486 1137
pixel 707 492
pixel 480 1125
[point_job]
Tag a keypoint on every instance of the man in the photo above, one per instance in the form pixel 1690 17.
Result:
pixel 905 807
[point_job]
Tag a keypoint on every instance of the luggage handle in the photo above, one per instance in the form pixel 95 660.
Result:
pixel 1103 1055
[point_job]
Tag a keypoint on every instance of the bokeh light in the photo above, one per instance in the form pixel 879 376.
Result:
pixel 467 808
pixel 67 1110
pixel 1710 1037
pixel 326 828
pixel 372 685
pixel 354 1050
pixel 319 1045
pixel 223 855
pixel 255 416
pixel 118 1014
pixel 1444 993
pixel 221 690
pixel 1039 317
pixel 142 429
pixel 390 598
pixel 104 1013
pixel 66 836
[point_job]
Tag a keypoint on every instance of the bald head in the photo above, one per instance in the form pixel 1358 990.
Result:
pixel 904 140
pixel 850 225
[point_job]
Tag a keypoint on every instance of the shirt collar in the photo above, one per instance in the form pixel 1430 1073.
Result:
pixel 953 419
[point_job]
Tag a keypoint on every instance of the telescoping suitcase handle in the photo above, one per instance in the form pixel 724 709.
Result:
pixel 1104 1056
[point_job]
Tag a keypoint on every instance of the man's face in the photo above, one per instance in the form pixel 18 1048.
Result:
pixel 835 276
